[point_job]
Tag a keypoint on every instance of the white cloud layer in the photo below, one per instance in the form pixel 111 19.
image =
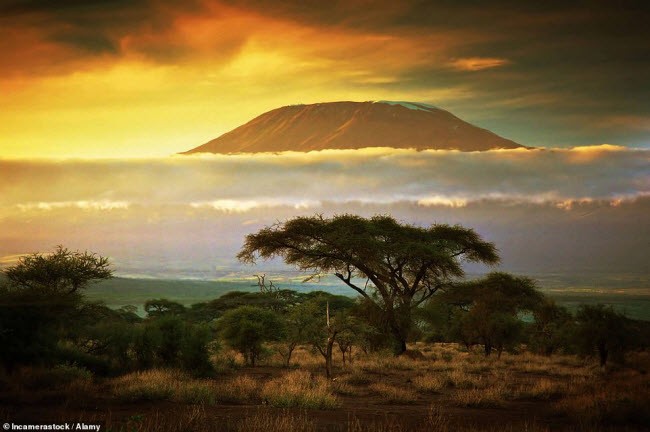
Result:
pixel 242 182
pixel 578 210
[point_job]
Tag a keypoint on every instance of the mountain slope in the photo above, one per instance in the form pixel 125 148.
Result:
pixel 355 125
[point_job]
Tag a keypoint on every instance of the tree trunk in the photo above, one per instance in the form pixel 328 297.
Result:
pixel 488 349
pixel 602 354
pixel 289 353
pixel 328 357
pixel 399 341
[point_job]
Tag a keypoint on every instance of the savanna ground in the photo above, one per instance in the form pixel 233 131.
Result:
pixel 438 387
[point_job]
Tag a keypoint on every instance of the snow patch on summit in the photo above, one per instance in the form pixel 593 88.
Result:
pixel 417 106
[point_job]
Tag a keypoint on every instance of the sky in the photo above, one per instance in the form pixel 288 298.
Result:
pixel 150 78
pixel 98 97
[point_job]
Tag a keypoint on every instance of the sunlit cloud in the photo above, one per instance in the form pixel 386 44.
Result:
pixel 473 64
pixel 243 206
pixel 241 183
pixel 442 201
pixel 82 205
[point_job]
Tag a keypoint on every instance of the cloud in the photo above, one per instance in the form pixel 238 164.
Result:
pixel 547 210
pixel 474 64
pixel 240 183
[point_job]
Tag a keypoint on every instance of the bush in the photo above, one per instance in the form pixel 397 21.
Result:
pixel 247 328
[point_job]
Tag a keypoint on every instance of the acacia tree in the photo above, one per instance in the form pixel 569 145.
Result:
pixel 247 328
pixel 404 264
pixel 492 305
pixel 41 302
pixel 61 272
pixel 600 328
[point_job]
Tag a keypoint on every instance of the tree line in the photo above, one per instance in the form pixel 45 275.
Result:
pixel 410 285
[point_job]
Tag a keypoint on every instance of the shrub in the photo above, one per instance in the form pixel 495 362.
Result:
pixel 246 328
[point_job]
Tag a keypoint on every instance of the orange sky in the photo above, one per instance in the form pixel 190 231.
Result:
pixel 152 78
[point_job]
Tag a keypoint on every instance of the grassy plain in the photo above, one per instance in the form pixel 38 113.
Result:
pixel 447 389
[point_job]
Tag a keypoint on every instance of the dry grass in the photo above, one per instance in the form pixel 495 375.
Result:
pixel 265 421
pixel 344 389
pixel 155 384
pixel 380 364
pixel 159 384
pixel 61 377
pixel 620 399
pixel 299 389
pixel 393 394
pixel 490 397
pixel 240 389
pixel 357 377
pixel 432 383
pixel 542 389
pixel 461 379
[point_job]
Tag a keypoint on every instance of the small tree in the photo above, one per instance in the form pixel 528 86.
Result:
pixel 163 307
pixel 551 329
pixel 404 264
pixel 324 325
pixel 61 272
pixel 492 306
pixel 42 303
pixel 602 330
pixel 247 328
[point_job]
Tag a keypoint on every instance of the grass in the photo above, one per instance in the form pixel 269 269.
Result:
pixel 299 389
pixel 58 377
pixel 392 394
pixel 492 397
pixel 265 421
pixel 357 377
pixel 566 392
pixel 160 384
pixel 432 383
pixel 152 385
pixel 542 389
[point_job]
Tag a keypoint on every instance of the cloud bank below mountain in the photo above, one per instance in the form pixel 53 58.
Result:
pixel 580 209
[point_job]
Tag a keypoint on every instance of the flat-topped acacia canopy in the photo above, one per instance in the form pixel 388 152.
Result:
pixel 404 264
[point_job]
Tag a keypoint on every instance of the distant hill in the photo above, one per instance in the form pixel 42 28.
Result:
pixel 355 125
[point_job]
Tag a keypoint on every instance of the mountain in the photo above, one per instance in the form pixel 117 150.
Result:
pixel 355 125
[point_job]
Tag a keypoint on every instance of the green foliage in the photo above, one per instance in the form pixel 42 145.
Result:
pixel 171 330
pixel 601 330
pixel 246 328
pixel 492 306
pixel 551 329
pixel 404 264
pixel 196 348
pixel 162 307
pixel 208 311
pixel 62 271
pixel 146 340
pixel 41 303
